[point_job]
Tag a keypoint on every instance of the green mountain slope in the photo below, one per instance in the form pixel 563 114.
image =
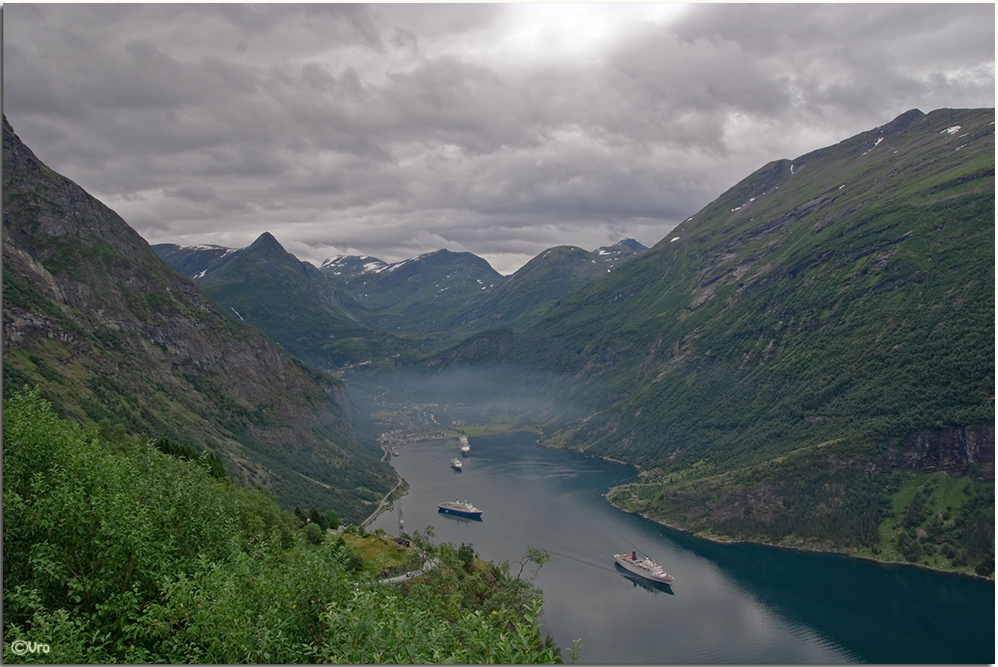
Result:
pixel 809 360
pixel 542 282
pixel 109 331
pixel 852 285
pixel 845 298
pixel 312 315
pixel 420 295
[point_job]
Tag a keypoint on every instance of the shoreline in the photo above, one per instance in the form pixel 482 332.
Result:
pixel 719 540
pixel 715 540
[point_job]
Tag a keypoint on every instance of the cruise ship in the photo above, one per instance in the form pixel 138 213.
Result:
pixel 643 567
pixel 465 446
pixel 461 508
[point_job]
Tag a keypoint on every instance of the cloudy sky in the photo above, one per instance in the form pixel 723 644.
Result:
pixel 499 129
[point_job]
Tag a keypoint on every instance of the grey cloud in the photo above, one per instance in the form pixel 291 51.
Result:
pixel 195 193
pixel 383 128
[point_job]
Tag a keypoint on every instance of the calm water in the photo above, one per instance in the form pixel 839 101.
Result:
pixel 730 603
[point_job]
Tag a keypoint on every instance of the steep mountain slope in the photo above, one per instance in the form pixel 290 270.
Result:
pixel 853 285
pixel 807 360
pixel 541 282
pixel 827 321
pixel 418 295
pixel 311 314
pixel 109 331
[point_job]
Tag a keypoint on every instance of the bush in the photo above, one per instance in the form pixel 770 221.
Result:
pixel 313 533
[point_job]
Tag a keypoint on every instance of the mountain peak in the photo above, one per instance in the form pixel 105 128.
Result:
pixel 630 244
pixel 903 121
pixel 266 241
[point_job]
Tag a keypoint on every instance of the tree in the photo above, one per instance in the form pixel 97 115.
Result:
pixel 318 519
pixel 467 555
pixel 533 555
pixel 314 533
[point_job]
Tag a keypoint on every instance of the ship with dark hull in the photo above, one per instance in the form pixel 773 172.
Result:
pixel 460 508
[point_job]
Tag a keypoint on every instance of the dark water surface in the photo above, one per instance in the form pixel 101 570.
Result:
pixel 730 603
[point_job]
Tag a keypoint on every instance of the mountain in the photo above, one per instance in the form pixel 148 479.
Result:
pixel 542 282
pixel 347 267
pixel 110 332
pixel 802 358
pixel 825 322
pixel 344 313
pixel 854 283
pixel 419 295
pixel 311 314
pixel 191 260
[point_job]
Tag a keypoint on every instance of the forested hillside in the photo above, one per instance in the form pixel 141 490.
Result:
pixel 113 335
pixel 115 552
pixel 823 319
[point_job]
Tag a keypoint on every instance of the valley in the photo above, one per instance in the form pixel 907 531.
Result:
pixel 346 333
pixel 795 364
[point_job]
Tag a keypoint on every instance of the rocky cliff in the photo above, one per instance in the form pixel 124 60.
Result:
pixel 955 451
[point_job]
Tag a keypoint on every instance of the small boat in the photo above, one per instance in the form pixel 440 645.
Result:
pixel 460 507
pixel 643 567
pixel 465 447
pixel 455 464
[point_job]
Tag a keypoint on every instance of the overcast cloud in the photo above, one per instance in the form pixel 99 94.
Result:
pixel 503 130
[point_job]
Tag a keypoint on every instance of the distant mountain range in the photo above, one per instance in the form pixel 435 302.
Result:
pixel 543 282
pixel 350 309
pixel 110 332
pixel 312 315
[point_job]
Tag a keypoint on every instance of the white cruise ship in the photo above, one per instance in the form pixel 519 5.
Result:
pixel 643 567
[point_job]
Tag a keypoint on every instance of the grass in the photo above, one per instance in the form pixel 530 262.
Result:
pixel 379 551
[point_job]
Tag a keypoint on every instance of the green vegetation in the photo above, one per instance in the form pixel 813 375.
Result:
pixel 833 497
pixel 293 303
pixel 117 552
pixel 942 522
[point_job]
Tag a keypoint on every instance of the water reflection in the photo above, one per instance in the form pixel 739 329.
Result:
pixel 653 586
pixel 883 613
pixel 459 519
